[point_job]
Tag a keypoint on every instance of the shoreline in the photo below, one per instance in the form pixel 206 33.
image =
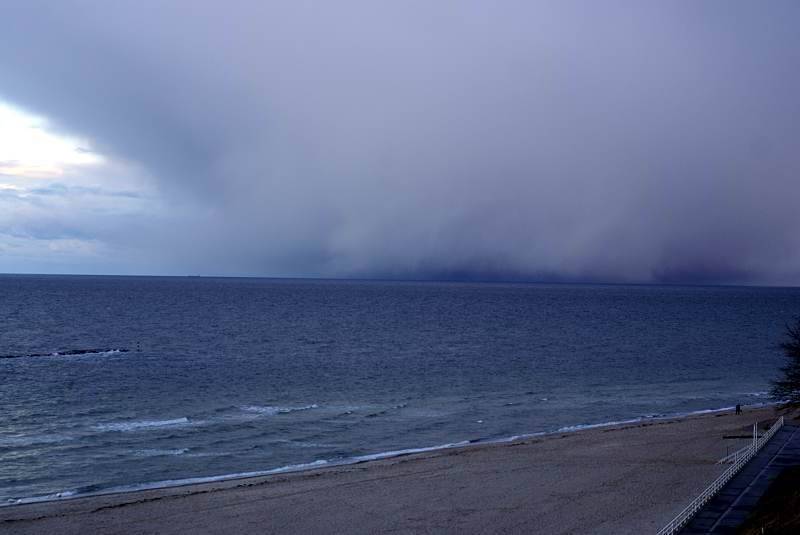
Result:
pixel 317 464
pixel 627 477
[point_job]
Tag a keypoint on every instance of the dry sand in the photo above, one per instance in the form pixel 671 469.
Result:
pixel 625 479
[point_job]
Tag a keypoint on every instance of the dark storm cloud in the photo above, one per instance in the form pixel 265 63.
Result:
pixel 631 140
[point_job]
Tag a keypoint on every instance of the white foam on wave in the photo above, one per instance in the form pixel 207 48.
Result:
pixel 86 353
pixel 270 410
pixel 167 483
pixel 239 475
pixel 160 453
pixel 651 417
pixel 708 411
pixel 515 438
pixel 580 427
pixel 362 458
pixel 398 453
pixel 144 424
pixel 46 498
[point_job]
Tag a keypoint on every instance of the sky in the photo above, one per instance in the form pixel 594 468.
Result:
pixel 616 141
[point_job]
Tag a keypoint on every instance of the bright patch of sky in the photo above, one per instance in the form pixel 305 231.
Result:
pixel 28 149
pixel 63 207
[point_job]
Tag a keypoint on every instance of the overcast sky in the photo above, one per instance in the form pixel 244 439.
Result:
pixel 621 141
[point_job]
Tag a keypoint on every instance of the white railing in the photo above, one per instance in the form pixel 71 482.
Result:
pixel 740 458
pixel 736 455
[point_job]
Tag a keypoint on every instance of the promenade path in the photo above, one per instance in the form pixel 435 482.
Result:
pixel 734 503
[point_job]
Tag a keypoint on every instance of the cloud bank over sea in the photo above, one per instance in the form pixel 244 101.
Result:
pixel 619 141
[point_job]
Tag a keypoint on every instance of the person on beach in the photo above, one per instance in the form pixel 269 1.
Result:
pixel 738 409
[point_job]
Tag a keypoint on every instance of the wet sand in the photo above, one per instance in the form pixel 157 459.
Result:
pixel 624 479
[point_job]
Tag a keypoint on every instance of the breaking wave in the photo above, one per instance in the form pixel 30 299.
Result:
pixel 69 353
pixel 160 453
pixel 270 410
pixel 120 426
pixel 144 424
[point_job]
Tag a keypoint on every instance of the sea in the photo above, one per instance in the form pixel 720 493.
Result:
pixel 110 384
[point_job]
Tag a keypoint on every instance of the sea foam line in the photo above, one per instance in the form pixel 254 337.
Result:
pixel 144 424
pixel 69 353
pixel 168 483
pixel 74 493
pixel 271 410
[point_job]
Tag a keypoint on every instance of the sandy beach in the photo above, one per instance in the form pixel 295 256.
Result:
pixel 619 479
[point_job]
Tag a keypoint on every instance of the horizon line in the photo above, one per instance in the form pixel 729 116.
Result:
pixel 454 280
